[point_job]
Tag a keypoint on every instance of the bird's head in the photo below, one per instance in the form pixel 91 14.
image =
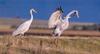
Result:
pixel 33 10
pixel 76 13
pixel 72 14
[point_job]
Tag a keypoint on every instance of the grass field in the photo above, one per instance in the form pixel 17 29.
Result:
pixel 49 45
pixel 39 40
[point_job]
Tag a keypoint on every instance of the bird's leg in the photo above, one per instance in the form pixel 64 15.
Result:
pixel 53 33
pixel 56 41
pixel 59 34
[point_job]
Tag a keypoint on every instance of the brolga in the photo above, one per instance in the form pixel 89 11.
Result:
pixel 24 27
pixel 63 23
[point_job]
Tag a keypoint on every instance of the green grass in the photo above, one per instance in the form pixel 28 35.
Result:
pixel 49 45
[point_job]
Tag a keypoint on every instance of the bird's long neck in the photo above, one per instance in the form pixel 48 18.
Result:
pixel 31 15
pixel 69 14
pixel 66 20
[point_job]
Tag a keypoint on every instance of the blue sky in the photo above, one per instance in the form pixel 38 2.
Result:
pixel 89 9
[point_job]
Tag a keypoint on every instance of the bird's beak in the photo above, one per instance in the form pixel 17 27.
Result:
pixel 35 11
pixel 77 15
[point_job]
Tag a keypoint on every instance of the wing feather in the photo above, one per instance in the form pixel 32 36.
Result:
pixel 54 19
pixel 22 28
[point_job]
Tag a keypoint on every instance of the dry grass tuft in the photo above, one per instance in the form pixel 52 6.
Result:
pixel 48 45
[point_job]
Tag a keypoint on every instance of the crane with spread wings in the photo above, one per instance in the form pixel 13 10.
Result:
pixel 59 23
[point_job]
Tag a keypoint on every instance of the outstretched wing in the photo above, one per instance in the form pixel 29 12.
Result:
pixel 54 19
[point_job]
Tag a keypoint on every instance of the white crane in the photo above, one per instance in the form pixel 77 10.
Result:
pixel 64 23
pixel 58 23
pixel 24 26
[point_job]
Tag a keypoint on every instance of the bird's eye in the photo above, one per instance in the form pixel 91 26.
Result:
pixel 74 13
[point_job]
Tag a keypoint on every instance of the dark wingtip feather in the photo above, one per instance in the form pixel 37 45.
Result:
pixel 60 8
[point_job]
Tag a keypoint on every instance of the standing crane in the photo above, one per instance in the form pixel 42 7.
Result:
pixel 24 27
